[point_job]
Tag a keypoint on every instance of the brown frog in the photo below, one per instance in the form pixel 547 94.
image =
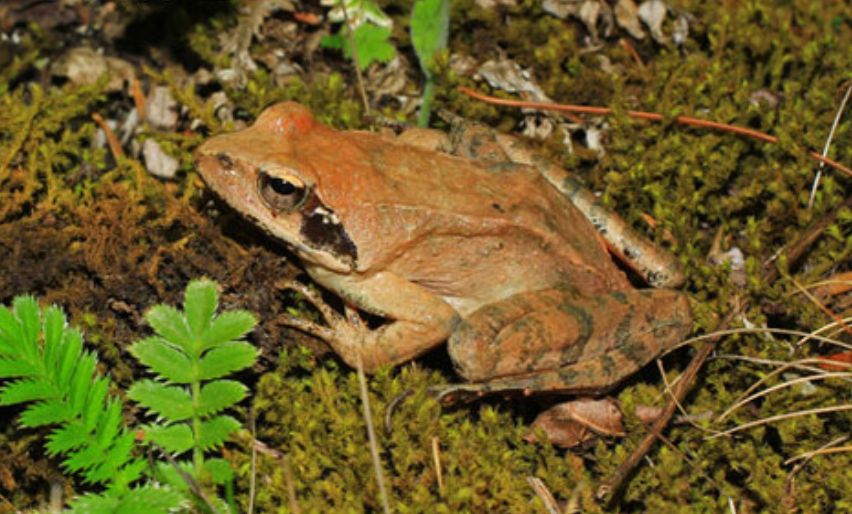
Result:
pixel 488 254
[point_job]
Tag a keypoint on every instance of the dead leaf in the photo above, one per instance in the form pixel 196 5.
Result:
pixel 653 13
pixel 83 66
pixel 573 423
pixel 626 17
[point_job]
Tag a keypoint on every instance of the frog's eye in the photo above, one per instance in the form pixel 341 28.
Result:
pixel 281 193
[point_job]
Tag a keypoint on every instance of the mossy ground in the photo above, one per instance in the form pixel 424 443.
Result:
pixel 103 239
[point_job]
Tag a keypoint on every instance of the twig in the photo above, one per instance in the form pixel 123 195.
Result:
pixel 261 447
pixel 825 449
pixel 436 458
pixel 253 471
pixel 650 116
pixel 138 98
pixel 112 139
pixel 544 494
pixel 611 486
pixel 371 436
pixel 786 415
pixel 614 483
pixel 828 312
pixel 828 140
pixel 782 385
pixel 790 486
pixel 191 482
pixel 358 76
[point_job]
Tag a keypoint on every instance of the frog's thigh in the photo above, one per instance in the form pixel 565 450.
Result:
pixel 553 340
pixel 417 319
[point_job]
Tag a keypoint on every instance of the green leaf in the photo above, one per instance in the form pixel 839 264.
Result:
pixel 219 395
pixel 9 333
pixel 372 44
pixel 167 473
pixel 170 324
pixel 83 459
pixel 216 431
pixel 27 311
pixel 26 390
pixel 199 304
pixel 10 368
pixel 95 504
pixel 228 326
pixel 171 402
pixel 66 438
pixel 54 332
pixel 150 499
pixel 226 359
pixel 173 438
pixel 95 403
pixel 163 359
pixel 220 470
pixel 147 499
pixel 110 423
pixel 69 357
pixel 117 456
pixel 46 413
pixel 81 380
pixel 430 26
pixel 332 41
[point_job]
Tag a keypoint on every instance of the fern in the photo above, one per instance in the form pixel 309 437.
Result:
pixel 45 366
pixel 189 354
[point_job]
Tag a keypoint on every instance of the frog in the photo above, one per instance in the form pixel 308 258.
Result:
pixel 460 238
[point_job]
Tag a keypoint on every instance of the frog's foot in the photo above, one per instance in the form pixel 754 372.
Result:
pixel 337 326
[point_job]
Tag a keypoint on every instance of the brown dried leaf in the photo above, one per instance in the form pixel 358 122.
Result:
pixel 573 423
pixel 626 15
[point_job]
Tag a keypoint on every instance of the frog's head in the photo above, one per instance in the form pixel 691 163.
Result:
pixel 259 172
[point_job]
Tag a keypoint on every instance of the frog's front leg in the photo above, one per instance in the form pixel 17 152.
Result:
pixel 417 319
pixel 553 340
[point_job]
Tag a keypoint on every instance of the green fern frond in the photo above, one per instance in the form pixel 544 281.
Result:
pixel 189 354
pixel 143 500
pixel 49 370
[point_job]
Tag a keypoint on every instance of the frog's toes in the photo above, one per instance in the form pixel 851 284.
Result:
pixel 307 326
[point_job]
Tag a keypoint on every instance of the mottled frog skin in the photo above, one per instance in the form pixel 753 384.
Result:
pixel 473 249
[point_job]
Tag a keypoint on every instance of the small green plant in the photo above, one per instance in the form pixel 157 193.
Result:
pixel 430 27
pixel 189 354
pixel 46 367
pixel 56 377
pixel 364 25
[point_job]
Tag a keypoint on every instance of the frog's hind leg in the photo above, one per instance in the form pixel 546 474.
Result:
pixel 554 341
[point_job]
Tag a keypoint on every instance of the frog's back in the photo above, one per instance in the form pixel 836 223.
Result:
pixel 475 233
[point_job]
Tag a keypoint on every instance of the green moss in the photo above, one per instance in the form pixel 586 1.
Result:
pixel 58 193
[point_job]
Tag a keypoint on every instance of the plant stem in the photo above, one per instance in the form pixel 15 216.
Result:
pixel 350 33
pixel 197 452
pixel 426 102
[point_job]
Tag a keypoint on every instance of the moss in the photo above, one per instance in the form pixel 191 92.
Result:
pixel 106 241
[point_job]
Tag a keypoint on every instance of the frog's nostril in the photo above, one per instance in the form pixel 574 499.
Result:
pixel 225 161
